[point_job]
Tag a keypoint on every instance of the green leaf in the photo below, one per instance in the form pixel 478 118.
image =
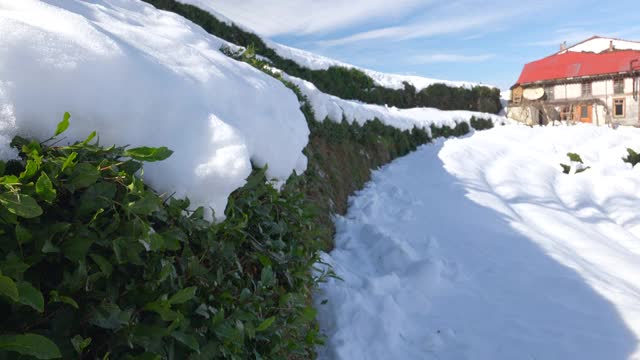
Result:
pixel 31 345
pixel 89 138
pixel 69 161
pixel 45 189
pixel 79 343
pixel 264 260
pixel 76 248
pixel 149 154
pixel 9 180
pixel 21 205
pixel 56 297
pixel 8 288
pixel 30 170
pixel 574 157
pixel 189 340
pixel 267 276
pixel 49 248
pixel 163 308
pixel 109 316
pixel 13 266
pixel 30 296
pixel 265 324
pixel 149 203
pixel 104 264
pixel 183 295
pixel 23 235
pixel 84 175
pixel 63 125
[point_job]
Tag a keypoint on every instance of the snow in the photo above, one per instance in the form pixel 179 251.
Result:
pixel 392 81
pixel 481 248
pixel 600 44
pixel 332 107
pixel 140 76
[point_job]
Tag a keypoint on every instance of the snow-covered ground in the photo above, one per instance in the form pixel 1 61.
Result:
pixel 334 108
pixel 140 76
pixel 481 248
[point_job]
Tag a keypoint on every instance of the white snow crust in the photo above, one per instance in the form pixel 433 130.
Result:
pixel 332 107
pixel 141 76
pixel 391 81
pixel 481 248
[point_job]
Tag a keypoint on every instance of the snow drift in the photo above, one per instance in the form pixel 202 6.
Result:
pixel 140 76
pixel 481 248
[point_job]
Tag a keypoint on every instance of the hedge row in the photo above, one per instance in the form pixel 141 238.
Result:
pixel 96 265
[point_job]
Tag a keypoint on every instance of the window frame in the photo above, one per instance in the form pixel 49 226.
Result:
pixel 550 91
pixel 584 111
pixel 586 88
pixel 624 107
pixel 618 90
pixel 516 96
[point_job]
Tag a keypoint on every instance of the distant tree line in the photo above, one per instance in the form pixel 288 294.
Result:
pixel 346 83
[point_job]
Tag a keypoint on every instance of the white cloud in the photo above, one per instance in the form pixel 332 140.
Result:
pixel 449 58
pixel 304 17
pixel 452 23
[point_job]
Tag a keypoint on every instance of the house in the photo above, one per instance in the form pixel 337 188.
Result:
pixel 595 81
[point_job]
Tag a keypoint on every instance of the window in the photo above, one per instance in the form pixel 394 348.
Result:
pixel 566 113
pixel 516 96
pixel 586 89
pixel 584 111
pixel 618 86
pixel 618 107
pixel 550 92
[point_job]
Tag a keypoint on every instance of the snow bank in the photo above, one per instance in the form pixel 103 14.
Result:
pixel 481 248
pixel 140 76
pixel 334 108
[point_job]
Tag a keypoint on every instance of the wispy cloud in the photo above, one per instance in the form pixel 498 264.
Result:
pixel 304 17
pixel 449 58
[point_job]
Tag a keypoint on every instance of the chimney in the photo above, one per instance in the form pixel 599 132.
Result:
pixel 563 46
pixel 611 47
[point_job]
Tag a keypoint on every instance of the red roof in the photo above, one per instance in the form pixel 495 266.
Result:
pixel 578 64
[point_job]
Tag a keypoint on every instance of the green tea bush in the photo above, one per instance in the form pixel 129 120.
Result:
pixel 632 158
pixel 579 164
pixel 479 123
pixel 96 265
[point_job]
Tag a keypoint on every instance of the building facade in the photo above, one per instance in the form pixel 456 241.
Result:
pixel 583 83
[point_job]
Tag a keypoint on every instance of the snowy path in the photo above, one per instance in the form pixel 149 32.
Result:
pixel 480 248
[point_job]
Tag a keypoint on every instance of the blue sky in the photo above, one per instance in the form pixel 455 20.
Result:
pixel 480 41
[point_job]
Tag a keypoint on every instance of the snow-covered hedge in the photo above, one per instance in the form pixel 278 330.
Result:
pixel 138 75
pixel 347 82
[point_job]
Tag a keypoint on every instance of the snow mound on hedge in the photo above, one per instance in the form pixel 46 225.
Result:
pixel 141 76
pixel 392 81
pixel 334 108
